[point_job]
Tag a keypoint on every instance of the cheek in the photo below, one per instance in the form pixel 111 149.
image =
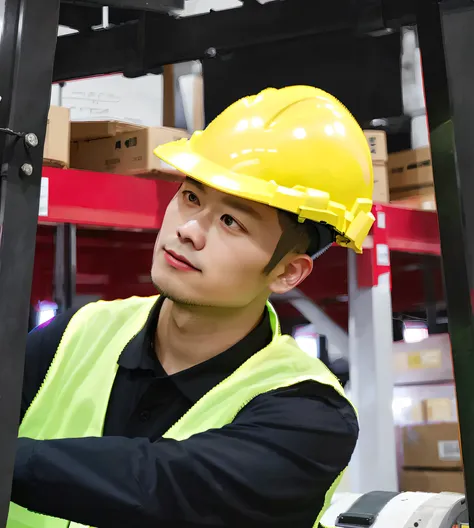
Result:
pixel 236 278
pixel 240 260
pixel 157 244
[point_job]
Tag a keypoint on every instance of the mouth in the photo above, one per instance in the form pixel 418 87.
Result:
pixel 177 261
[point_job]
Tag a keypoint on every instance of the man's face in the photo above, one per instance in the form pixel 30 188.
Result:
pixel 212 249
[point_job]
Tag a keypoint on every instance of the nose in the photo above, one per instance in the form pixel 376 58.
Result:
pixel 192 232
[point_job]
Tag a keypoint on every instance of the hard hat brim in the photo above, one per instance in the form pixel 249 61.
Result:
pixel 179 155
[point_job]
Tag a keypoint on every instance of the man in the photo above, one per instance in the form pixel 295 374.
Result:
pixel 191 410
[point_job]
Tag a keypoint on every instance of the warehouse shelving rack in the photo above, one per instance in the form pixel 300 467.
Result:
pixel 140 202
pixel 143 39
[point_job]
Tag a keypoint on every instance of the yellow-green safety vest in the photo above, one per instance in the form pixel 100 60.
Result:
pixel 73 399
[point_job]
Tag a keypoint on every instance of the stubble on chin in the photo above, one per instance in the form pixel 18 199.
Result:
pixel 178 299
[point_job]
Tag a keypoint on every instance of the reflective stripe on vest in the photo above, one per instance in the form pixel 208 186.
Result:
pixel 73 399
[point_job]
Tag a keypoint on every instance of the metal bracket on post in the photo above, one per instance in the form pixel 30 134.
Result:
pixel 28 32
pixel 30 140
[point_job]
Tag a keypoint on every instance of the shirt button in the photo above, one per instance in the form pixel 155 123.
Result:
pixel 144 416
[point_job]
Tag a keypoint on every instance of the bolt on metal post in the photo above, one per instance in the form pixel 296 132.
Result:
pixel 27 169
pixel 31 139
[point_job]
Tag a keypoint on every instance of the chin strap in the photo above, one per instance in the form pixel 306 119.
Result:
pixel 323 238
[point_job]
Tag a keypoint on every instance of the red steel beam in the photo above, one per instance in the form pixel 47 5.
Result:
pixel 105 200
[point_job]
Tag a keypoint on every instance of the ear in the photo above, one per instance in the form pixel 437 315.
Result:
pixel 294 272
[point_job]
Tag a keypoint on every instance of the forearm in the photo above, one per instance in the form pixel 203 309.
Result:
pixel 114 481
pixel 71 479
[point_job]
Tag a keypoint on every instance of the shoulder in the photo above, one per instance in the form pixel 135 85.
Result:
pixel 315 406
pixel 50 333
pixel 43 341
pixel 320 395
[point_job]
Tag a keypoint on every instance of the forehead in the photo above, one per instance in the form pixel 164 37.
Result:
pixel 257 210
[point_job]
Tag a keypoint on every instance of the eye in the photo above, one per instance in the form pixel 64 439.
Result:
pixel 190 197
pixel 230 222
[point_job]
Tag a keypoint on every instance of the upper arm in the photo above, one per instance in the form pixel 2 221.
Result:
pixel 41 345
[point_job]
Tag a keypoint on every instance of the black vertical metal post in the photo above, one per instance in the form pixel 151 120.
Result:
pixel 446 36
pixel 65 266
pixel 28 30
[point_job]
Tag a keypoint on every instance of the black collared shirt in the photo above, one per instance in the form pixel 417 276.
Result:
pixel 270 467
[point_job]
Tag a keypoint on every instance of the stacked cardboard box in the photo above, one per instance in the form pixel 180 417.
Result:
pixel 121 148
pixel 430 410
pixel 377 141
pixel 56 143
pixel 410 177
pixel 432 458
pixel 440 410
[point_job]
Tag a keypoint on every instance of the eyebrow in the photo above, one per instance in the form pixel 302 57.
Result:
pixel 197 184
pixel 242 206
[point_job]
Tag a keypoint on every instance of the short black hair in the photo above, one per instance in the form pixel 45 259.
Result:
pixel 306 237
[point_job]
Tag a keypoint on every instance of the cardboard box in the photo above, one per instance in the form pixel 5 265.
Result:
pixel 56 143
pixel 114 97
pixel 87 130
pixel 434 445
pixel 439 410
pixel 432 410
pixel 431 481
pixel 381 192
pixel 409 414
pixel 413 192
pixel 125 152
pixel 410 169
pixel 377 140
pixel 421 198
pixel 430 359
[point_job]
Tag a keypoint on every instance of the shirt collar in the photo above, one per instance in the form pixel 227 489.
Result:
pixel 196 381
pixel 136 355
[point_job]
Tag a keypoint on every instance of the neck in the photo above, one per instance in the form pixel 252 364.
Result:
pixel 189 335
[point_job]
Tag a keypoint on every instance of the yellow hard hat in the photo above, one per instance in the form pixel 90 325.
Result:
pixel 297 149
